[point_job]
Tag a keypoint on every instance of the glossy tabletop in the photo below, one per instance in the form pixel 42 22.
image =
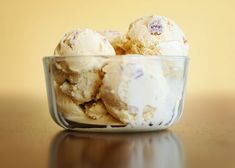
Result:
pixel 204 137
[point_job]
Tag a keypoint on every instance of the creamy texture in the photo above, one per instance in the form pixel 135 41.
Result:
pixel 78 78
pixel 111 35
pixel 144 77
pixel 172 48
pixel 66 105
pixel 135 95
pixel 156 35
pixel 117 39
pixel 83 42
pixel 134 90
pixel 86 87
pixel 94 113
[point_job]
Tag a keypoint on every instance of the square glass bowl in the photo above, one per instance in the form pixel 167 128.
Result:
pixel 116 93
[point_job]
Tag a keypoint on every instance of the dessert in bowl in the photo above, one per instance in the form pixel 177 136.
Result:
pixel 111 81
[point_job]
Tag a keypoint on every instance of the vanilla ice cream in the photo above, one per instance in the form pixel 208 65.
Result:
pixel 117 39
pixel 133 89
pixel 93 114
pixel 124 80
pixel 78 79
pixel 156 35
pixel 83 42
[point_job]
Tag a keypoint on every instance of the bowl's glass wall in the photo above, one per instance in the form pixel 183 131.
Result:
pixel 137 92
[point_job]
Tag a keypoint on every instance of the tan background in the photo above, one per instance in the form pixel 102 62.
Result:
pixel 31 29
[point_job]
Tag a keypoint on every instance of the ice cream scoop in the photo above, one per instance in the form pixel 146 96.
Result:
pixel 83 42
pixel 81 78
pixel 92 113
pixel 133 89
pixel 156 35
pixel 78 78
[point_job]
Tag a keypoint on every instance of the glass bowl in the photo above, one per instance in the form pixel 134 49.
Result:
pixel 116 93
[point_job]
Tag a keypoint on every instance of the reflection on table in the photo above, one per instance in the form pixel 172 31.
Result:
pixel 137 150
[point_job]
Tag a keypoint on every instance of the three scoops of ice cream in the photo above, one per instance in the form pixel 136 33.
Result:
pixel 92 89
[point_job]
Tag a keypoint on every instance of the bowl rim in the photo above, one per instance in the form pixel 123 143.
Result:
pixel 184 57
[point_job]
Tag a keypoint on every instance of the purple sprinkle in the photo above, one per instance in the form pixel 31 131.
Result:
pixel 155 27
pixel 105 39
pixel 138 73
